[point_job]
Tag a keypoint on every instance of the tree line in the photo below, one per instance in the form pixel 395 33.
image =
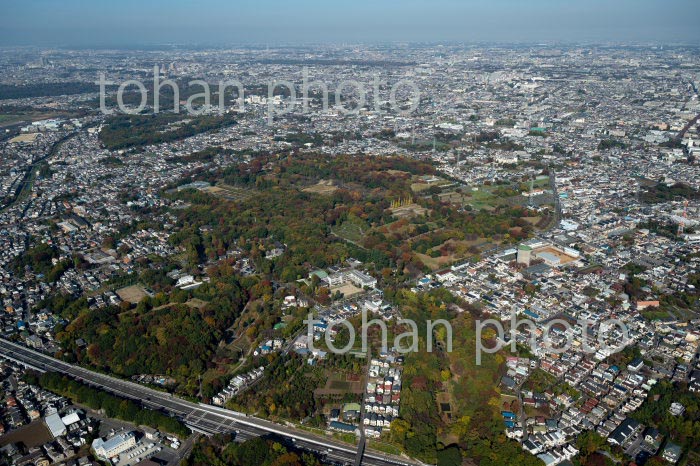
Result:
pixel 113 406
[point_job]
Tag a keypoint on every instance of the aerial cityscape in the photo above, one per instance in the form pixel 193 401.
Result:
pixel 392 234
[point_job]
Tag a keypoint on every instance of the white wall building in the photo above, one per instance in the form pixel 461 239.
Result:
pixel 114 446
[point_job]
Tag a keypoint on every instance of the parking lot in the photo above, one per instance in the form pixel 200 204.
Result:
pixel 146 449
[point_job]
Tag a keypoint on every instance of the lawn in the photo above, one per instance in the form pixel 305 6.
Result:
pixel 487 197
pixel 462 250
pixel 383 447
pixel 323 187
pixel 421 184
pixel 656 314
pixel 9 118
pixel 482 198
pixel 353 230
pixel 230 193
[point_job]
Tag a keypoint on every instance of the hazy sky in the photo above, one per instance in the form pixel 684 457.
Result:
pixel 137 22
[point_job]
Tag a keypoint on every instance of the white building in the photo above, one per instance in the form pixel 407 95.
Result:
pixel 361 279
pixel 446 276
pixel 336 279
pixel 114 446
pixel 70 419
pixel 55 425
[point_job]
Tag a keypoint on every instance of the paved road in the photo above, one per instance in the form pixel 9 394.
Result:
pixel 363 440
pixel 199 417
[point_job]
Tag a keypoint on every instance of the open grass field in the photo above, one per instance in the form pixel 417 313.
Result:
pixel 377 444
pixel 423 184
pixel 483 198
pixel 27 137
pixel 132 294
pixel 230 193
pixel 397 172
pixel 323 187
pixel 541 182
pixel 435 263
pixel 655 314
pixel 8 119
pixel 461 252
pixel 338 384
pixel 353 229
pixel 487 197
pixel 196 303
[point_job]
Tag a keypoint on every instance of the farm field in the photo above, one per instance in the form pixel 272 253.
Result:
pixel 338 384
pixel 32 435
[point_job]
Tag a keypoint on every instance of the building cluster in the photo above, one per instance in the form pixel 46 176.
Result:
pixel 588 393
pixel 383 393
pixel 238 384
pixel 47 428
pixel 380 402
pixel 607 135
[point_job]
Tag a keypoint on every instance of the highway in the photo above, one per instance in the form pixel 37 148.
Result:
pixel 197 416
